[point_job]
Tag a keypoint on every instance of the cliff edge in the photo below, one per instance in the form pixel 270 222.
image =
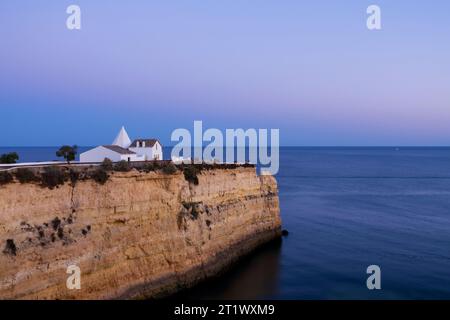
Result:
pixel 137 235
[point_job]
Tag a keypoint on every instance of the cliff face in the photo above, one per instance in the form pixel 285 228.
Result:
pixel 138 235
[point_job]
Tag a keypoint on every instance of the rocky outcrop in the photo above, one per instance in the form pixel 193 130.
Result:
pixel 138 235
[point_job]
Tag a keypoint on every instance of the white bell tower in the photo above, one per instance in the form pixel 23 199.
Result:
pixel 122 139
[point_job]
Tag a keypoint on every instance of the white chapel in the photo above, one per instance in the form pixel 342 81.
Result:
pixel 123 148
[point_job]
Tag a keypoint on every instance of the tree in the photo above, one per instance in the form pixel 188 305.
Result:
pixel 11 157
pixel 67 152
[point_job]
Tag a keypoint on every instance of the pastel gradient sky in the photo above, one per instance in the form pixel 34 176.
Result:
pixel 310 68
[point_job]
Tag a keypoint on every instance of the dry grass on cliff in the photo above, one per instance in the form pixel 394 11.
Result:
pixel 54 176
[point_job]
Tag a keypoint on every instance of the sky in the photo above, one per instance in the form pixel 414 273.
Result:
pixel 311 69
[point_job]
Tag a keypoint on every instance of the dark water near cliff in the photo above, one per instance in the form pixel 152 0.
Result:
pixel 346 209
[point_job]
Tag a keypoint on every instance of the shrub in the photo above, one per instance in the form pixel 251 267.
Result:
pixel 7 158
pixel 52 177
pixel 150 166
pixel 156 165
pixel 100 176
pixel 10 247
pixel 60 233
pixel 191 207
pixel 5 177
pixel 169 168
pixel 56 223
pixel 74 176
pixel 25 175
pixel 122 166
pixel 107 164
pixel 190 174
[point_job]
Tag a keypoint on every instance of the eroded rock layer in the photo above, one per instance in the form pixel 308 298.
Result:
pixel 138 235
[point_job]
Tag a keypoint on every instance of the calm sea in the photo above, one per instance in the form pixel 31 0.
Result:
pixel 346 209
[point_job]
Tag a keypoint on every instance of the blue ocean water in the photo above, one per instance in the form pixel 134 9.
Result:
pixel 40 154
pixel 346 209
pixel 351 208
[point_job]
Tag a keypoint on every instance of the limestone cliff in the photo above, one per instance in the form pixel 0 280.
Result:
pixel 138 235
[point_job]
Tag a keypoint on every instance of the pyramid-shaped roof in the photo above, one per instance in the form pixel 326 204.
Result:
pixel 122 139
